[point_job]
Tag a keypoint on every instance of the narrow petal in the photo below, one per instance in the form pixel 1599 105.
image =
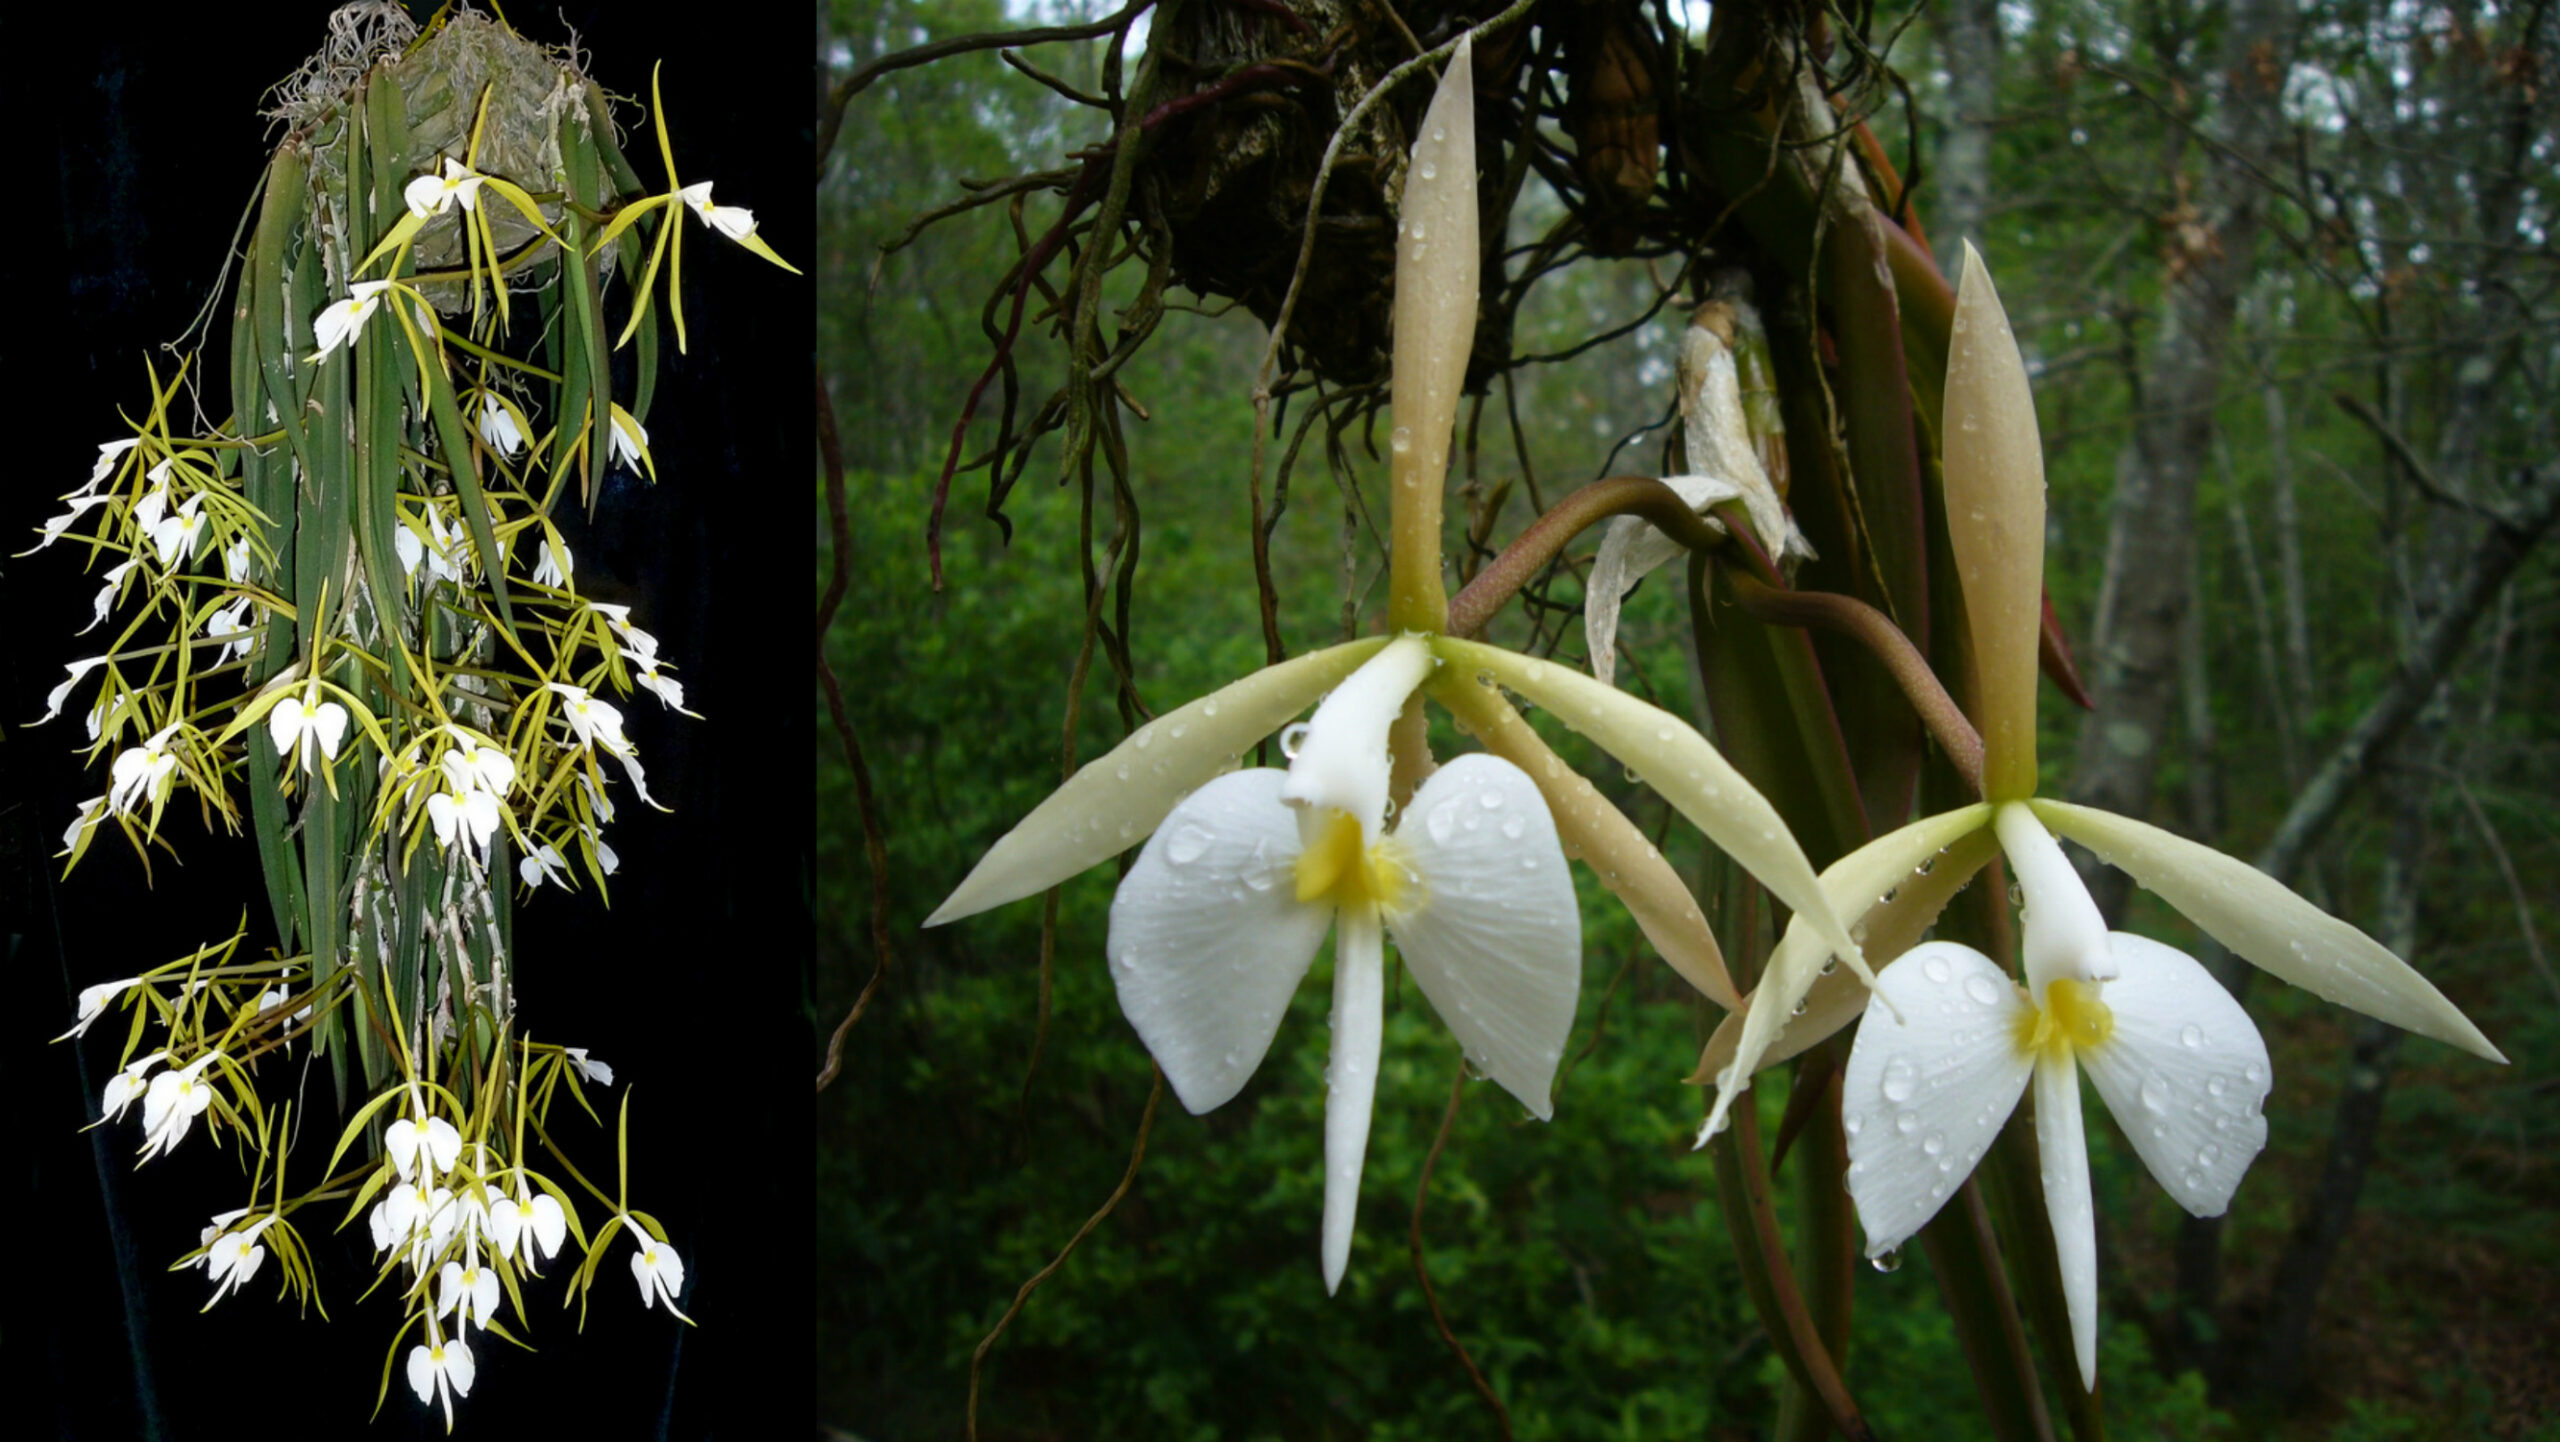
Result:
pixel 1496 938
pixel 2064 935
pixel 1923 1097
pixel 1341 765
pixel 1111 803
pixel 1351 1079
pixel 1669 755
pixel 1599 835
pixel 1434 326
pixel 1855 882
pixel 2263 921
pixel 1208 937
pixel 2184 1072
pixel 1630 548
pixel 2064 1148
pixel 1839 996
pixel 1995 524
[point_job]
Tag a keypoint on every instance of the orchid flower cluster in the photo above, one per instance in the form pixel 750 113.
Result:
pixel 347 616
pixel 457 1214
pixel 1243 873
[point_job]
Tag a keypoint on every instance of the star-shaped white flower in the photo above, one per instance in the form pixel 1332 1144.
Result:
pixel 473 1288
pixel 127 1086
pixel 437 1371
pixel 469 821
pixel 1233 895
pixel 543 863
pixel 93 1002
pixel 143 773
pixel 110 456
pixel 734 221
pixel 179 536
pixel 594 722
pixel 298 721
pixel 472 766
pixel 53 528
pixel 534 1219
pixel 657 1268
pixel 230 625
pixel 106 596
pixel 498 425
pixel 431 194
pixel 235 1256
pixel 594 1071
pixel 2176 1059
pixel 409 1144
pixel 175 1099
pixel 630 443
pixel 341 321
pixel 556 565
pixel 438 551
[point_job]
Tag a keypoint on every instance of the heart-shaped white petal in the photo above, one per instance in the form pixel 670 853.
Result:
pixel 1923 1097
pixel 1208 937
pixel 1494 937
pixel 2184 1073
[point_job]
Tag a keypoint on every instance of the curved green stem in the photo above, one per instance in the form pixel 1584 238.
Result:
pixel 1538 546
pixel 1872 629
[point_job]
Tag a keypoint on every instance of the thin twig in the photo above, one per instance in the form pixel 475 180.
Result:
pixel 1422 1270
pixel 875 840
pixel 831 114
pixel 2515 887
pixel 1137 1154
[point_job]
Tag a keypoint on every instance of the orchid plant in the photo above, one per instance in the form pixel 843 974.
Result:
pixel 1242 874
pixel 1949 1042
pixel 408 708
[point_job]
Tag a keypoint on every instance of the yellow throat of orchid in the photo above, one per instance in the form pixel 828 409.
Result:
pixel 2071 1019
pixel 1341 869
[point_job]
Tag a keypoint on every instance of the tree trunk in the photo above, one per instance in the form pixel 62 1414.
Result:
pixel 2144 593
pixel 1969 34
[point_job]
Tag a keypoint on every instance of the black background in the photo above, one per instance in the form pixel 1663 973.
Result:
pixel 136 143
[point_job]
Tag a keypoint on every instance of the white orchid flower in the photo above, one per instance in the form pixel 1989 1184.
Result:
pixel 473 1288
pixel 341 321
pixel 92 811
pixel 498 425
pixel 734 221
pixel 658 1270
pixel 630 443
pixel 230 625
pixel 556 565
pixel 1995 501
pixel 469 820
pixel 106 596
pixel 179 536
pixel 53 528
pixel 594 1071
pixel 431 194
pixel 94 999
pixel 534 1218
pixel 437 551
pixel 472 765
pixel 410 1145
pixel 234 1257
pixel 594 722
pixel 54 698
pixel 127 1087
pixel 544 862
pixel 235 561
pixel 297 721
pixel 439 1370
pixel 1227 905
pixel 175 1099
pixel 110 457
pixel 646 674
pixel 143 773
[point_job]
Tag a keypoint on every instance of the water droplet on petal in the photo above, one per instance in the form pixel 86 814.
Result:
pixel 1291 739
pixel 1889 1262
pixel 1907 1123
pixel 1898 1080
pixel 1935 968
pixel 2155 1095
pixel 1515 826
pixel 2191 1035
pixel 1983 990
pixel 1186 844
pixel 1442 822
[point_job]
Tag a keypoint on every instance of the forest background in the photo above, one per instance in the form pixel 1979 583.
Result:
pixel 2295 363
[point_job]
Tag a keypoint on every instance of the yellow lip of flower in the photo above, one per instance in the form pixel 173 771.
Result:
pixel 2071 1019
pixel 1340 869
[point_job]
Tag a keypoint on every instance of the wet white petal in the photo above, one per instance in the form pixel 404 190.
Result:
pixel 2063 1146
pixel 1341 763
pixel 1351 1078
pixel 1923 1098
pixel 1493 935
pixel 1208 937
pixel 2064 935
pixel 2184 1073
